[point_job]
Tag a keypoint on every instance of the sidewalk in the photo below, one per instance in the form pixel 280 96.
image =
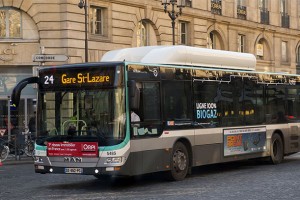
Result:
pixel 13 161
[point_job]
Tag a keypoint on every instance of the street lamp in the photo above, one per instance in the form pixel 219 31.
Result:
pixel 83 4
pixel 173 14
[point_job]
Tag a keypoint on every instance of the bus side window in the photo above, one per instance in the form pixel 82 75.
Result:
pixel 207 107
pixel 275 102
pixel 177 97
pixel 253 108
pixel 293 104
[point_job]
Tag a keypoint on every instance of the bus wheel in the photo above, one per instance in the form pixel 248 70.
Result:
pixel 276 149
pixel 179 162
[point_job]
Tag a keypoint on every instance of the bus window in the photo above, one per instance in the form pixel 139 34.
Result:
pixel 275 103
pixel 206 104
pixel 177 97
pixel 293 104
pixel 151 101
pixel 253 110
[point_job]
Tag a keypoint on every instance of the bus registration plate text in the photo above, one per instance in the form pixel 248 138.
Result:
pixel 73 170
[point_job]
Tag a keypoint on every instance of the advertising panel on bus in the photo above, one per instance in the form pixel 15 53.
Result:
pixel 244 140
pixel 82 149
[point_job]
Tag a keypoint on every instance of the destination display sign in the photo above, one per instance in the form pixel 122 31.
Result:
pixel 60 78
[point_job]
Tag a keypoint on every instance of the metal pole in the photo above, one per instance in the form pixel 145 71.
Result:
pixel 172 14
pixel 83 4
pixel 173 23
pixel 86 32
pixel 173 31
pixel 8 119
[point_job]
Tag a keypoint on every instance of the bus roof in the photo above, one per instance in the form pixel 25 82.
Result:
pixel 183 55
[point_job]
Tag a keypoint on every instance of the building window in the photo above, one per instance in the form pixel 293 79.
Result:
pixel 188 3
pixel 211 41
pixel 285 18
pixel 216 7
pixel 183 33
pixel 263 4
pixel 142 34
pixel 241 2
pixel 96 20
pixel 284 51
pixel 10 23
pixel 241 9
pixel 241 43
pixel 264 12
pixel 283 6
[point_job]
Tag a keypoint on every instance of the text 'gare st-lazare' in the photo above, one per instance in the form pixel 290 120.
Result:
pixel 81 78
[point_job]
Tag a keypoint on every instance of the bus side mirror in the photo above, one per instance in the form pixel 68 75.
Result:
pixel 16 93
pixel 134 95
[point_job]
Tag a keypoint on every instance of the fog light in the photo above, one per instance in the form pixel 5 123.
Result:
pixel 96 171
pixel 51 170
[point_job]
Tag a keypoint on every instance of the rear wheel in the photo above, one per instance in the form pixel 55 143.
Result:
pixel 277 151
pixel 179 162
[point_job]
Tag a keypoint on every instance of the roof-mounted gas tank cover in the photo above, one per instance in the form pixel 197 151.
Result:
pixel 184 55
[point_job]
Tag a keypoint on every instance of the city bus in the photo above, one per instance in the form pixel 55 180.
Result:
pixel 195 107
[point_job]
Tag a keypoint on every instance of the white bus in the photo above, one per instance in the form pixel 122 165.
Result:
pixel 195 107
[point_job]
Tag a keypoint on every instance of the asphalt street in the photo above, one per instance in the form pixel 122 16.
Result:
pixel 239 180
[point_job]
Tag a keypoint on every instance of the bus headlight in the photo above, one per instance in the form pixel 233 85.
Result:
pixel 113 160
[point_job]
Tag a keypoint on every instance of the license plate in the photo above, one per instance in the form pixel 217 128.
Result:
pixel 73 170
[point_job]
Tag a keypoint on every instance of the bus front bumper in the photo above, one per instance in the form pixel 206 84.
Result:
pixel 77 170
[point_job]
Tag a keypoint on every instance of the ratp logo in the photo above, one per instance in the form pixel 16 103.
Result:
pixel 88 147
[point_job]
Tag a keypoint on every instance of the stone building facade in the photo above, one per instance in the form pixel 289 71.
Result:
pixel 269 29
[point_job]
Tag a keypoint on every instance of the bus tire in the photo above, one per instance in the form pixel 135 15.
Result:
pixel 179 162
pixel 277 152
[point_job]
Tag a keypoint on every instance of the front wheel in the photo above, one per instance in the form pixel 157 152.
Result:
pixel 277 151
pixel 179 162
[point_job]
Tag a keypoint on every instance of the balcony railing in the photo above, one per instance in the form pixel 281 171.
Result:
pixel 216 7
pixel 285 20
pixel 264 16
pixel 241 12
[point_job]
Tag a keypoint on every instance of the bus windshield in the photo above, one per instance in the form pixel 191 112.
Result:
pixel 97 115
